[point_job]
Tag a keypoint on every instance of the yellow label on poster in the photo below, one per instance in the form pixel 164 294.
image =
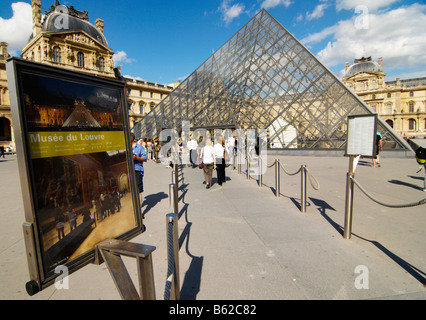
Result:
pixel 65 143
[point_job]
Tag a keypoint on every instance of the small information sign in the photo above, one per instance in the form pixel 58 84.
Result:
pixel 361 139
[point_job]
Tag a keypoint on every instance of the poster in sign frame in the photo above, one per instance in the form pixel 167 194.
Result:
pixel 361 137
pixel 75 165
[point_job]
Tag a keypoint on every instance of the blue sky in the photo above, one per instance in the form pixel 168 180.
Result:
pixel 166 40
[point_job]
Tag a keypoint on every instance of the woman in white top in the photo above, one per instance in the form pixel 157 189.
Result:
pixel 219 152
pixel 208 157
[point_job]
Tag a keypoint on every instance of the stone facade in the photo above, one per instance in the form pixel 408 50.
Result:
pixel 6 133
pixel 401 103
pixel 66 39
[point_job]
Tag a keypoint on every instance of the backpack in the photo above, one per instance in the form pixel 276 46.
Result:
pixel 421 155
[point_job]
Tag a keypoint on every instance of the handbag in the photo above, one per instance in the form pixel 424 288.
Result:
pixel 201 165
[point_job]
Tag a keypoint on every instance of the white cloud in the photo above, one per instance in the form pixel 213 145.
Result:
pixel 17 30
pixel 121 56
pixel 318 12
pixel 396 35
pixel 133 78
pixel 267 4
pixel 372 5
pixel 231 12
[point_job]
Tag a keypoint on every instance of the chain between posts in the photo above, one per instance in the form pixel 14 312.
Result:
pixel 408 205
pixel 304 174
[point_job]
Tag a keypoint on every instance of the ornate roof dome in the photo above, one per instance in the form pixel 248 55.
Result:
pixel 363 64
pixel 61 18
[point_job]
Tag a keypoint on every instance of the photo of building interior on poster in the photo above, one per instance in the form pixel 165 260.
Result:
pixel 78 158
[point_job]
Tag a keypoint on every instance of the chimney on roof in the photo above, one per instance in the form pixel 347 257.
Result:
pixel 36 13
pixel 100 25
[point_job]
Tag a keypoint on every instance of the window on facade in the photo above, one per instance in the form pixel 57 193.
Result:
pixel 389 108
pixel 57 54
pixel 411 94
pixel 411 107
pixel 389 95
pixel 373 84
pixel 152 94
pixel 390 123
pixel 141 108
pixel 374 107
pixel 80 59
pixel 361 86
pixel 411 124
pixel 373 96
pixel 101 62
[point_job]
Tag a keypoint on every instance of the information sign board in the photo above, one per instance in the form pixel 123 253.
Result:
pixel 74 157
pixel 361 138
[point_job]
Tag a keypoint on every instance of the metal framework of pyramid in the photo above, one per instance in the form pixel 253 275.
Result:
pixel 264 78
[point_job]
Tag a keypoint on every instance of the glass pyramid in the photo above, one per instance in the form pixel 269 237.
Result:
pixel 264 78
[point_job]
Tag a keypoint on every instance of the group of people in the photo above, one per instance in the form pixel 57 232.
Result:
pixel 107 203
pixel 213 156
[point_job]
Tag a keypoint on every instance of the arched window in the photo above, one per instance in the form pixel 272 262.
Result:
pixel 80 59
pixel 411 124
pixel 57 54
pixel 101 63
pixel 390 123
pixel 5 129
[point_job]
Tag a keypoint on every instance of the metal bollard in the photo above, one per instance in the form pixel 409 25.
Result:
pixel 173 199
pixel 173 253
pixel 248 167
pixel 260 175
pixel 277 178
pixel 239 162
pixel 303 189
pixel 349 205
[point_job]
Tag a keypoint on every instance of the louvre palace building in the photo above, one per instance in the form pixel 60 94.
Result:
pixel 77 45
pixel 82 46
pixel 401 103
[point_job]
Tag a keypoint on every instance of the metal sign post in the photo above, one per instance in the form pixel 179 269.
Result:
pixel 361 141
pixel 111 251
pixel 353 161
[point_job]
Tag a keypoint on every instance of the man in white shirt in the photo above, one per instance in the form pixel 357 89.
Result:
pixel 192 147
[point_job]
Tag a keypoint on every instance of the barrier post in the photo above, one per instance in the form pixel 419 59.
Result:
pixel 248 167
pixel 277 178
pixel 353 160
pixel 173 255
pixel 303 189
pixel 239 162
pixel 173 201
pixel 260 175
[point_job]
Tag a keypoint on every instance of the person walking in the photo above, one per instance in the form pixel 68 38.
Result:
pixel 139 157
pixel 208 159
pixel 379 145
pixel 219 153
pixel 192 147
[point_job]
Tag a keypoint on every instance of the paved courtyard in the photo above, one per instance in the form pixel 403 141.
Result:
pixel 240 241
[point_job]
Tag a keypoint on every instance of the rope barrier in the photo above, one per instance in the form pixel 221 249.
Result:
pixel 312 177
pixel 272 164
pixel 290 174
pixel 171 261
pixel 414 204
